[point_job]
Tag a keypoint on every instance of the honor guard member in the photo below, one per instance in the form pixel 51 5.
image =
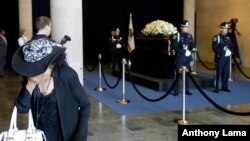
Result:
pixel 118 47
pixel 183 45
pixel 222 46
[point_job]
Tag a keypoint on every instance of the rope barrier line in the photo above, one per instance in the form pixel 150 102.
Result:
pixel 171 88
pixel 148 99
pixel 90 69
pixel 242 72
pixel 203 64
pixel 215 104
pixel 106 82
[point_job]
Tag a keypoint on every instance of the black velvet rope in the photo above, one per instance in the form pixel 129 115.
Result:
pixel 215 104
pixel 148 99
pixel 203 64
pixel 106 82
pixel 242 72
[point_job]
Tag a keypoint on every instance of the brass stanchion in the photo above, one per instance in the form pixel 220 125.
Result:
pixel 230 68
pixel 123 100
pixel 183 121
pixel 100 89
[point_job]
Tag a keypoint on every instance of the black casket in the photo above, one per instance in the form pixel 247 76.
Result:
pixel 154 57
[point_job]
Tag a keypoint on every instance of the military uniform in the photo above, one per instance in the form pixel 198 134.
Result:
pixel 180 41
pixel 222 47
pixel 183 45
pixel 118 54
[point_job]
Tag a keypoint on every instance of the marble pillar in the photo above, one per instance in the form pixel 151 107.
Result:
pixel 25 16
pixel 189 14
pixel 67 19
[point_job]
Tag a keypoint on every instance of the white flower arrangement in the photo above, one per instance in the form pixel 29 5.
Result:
pixel 159 27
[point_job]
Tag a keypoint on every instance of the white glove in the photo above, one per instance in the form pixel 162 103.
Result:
pixel 118 45
pixel 187 53
pixel 228 53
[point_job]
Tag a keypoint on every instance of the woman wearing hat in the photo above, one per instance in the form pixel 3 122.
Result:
pixel 52 90
pixel 222 47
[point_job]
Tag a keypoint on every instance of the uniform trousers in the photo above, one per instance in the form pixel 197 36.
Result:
pixel 222 70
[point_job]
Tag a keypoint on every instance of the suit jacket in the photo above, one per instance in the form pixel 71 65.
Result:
pixel 73 104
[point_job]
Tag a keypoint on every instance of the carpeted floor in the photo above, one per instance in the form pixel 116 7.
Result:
pixel 138 105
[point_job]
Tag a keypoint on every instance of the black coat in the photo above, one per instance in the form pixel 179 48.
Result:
pixel 72 100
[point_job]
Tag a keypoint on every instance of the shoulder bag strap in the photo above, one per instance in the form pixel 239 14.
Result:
pixel 1 136
pixel 13 120
pixel 31 126
pixel 31 123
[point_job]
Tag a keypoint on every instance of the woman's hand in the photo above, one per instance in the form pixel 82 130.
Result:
pixel 32 82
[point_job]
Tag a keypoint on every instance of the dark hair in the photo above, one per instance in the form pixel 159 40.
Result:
pixel 42 21
pixel 59 61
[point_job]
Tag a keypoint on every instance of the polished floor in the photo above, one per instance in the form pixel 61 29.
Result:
pixel 106 125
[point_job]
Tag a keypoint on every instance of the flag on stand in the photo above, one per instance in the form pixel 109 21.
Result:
pixel 131 40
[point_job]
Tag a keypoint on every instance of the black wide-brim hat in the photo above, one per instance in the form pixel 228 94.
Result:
pixel 31 69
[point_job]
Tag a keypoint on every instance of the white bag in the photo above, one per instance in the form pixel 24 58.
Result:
pixel 30 134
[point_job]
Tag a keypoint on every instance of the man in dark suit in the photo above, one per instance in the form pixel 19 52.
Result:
pixel 3 51
pixel 183 45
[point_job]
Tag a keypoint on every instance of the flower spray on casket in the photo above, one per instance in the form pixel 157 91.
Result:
pixel 159 28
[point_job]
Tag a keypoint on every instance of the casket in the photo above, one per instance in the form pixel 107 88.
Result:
pixel 154 57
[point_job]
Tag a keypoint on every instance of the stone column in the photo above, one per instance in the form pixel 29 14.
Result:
pixel 66 17
pixel 189 14
pixel 25 16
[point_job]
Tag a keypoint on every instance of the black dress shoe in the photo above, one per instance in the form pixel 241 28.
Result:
pixel 175 94
pixel 188 93
pixel 226 90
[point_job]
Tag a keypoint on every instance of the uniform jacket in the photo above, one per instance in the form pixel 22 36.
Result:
pixel 72 100
pixel 220 43
pixel 179 40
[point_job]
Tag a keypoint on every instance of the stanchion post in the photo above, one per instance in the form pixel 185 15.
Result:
pixel 230 68
pixel 123 100
pixel 194 65
pixel 100 89
pixel 183 121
